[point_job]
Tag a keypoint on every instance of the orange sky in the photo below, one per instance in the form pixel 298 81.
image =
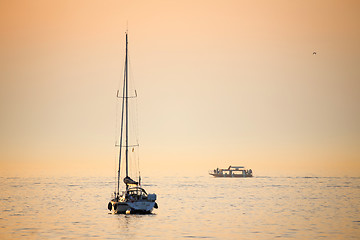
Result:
pixel 219 83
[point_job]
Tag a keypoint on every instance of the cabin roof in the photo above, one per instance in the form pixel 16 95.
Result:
pixel 236 167
pixel 136 189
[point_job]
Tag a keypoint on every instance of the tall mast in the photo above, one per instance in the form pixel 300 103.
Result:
pixel 126 109
pixel 122 125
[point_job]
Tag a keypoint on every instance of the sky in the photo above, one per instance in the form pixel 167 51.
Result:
pixel 219 83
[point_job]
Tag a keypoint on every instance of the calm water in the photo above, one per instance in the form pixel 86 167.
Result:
pixel 189 207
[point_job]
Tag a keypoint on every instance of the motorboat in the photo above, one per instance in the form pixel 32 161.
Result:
pixel 231 171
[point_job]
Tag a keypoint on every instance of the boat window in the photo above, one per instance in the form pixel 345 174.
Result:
pixel 138 192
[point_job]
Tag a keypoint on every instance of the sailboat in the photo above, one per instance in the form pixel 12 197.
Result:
pixel 134 199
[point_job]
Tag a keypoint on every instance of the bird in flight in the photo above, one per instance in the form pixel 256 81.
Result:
pixel 314 53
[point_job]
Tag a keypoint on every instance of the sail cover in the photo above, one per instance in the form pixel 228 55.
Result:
pixel 128 180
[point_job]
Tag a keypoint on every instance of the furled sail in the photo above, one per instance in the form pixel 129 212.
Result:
pixel 128 180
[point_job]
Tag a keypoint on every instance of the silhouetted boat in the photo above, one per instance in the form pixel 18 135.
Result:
pixel 231 171
pixel 134 199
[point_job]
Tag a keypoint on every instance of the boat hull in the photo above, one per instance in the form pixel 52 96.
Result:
pixel 132 207
pixel 231 175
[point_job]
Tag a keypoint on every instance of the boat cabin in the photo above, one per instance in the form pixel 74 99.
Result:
pixel 135 193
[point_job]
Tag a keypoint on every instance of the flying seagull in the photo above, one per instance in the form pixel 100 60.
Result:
pixel 314 53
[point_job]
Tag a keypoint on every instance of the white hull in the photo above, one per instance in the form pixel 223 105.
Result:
pixel 230 175
pixel 132 207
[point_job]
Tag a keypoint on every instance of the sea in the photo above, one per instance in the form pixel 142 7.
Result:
pixel 190 207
